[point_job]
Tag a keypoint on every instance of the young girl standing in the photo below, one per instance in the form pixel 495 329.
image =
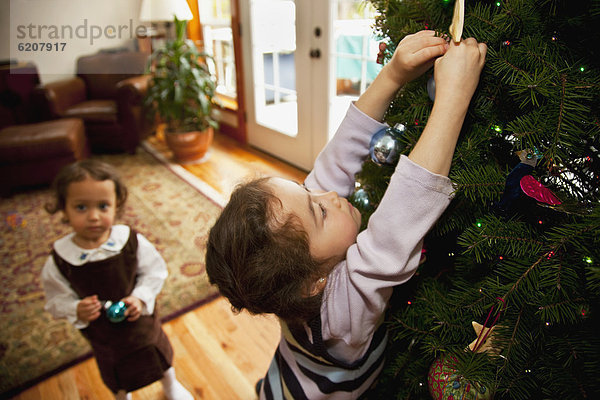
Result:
pixel 295 250
pixel 100 262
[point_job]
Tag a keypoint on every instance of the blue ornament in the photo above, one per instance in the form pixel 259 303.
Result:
pixel 431 88
pixel 512 190
pixel 385 147
pixel 512 197
pixel 115 312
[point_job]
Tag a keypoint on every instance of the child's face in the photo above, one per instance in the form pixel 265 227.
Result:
pixel 91 207
pixel 330 221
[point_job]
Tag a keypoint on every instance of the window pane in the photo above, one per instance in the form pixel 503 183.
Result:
pixel 354 55
pixel 273 47
pixel 215 16
pixel 354 43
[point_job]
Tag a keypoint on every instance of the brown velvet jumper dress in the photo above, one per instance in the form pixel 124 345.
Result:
pixel 130 355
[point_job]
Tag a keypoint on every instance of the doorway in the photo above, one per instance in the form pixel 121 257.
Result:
pixel 304 62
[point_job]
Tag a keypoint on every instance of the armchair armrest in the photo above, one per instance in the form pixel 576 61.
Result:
pixel 57 97
pixel 132 90
pixel 130 95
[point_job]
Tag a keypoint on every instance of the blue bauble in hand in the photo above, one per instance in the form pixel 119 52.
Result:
pixel 115 312
pixel 385 147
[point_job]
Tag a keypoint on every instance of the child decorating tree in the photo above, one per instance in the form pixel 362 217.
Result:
pixel 99 264
pixel 296 251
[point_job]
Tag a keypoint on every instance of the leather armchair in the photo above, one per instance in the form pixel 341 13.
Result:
pixel 110 103
pixel 32 151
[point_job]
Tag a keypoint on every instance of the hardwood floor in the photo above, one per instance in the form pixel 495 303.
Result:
pixel 228 163
pixel 218 354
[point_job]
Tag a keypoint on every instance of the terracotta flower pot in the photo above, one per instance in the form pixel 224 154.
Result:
pixel 189 147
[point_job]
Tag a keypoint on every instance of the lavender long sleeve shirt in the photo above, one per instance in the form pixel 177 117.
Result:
pixel 386 254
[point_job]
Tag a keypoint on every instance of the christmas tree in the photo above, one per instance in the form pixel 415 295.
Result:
pixel 506 301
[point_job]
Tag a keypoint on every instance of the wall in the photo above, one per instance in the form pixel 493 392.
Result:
pixel 68 17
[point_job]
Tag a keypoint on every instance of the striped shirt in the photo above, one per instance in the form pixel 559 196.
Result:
pixel 312 361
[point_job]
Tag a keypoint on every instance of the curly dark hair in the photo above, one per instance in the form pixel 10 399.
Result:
pixel 77 172
pixel 259 262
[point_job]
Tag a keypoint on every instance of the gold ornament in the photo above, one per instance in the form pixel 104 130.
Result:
pixel 458 20
pixel 487 342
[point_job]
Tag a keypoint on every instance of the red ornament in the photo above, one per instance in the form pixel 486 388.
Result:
pixel 446 384
pixel 532 188
pixel 382 47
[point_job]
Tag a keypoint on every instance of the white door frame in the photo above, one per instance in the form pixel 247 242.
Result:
pixel 312 86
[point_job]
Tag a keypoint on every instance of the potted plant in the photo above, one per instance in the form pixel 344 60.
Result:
pixel 180 93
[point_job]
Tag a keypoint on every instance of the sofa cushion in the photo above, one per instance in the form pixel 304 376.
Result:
pixel 94 111
pixel 21 143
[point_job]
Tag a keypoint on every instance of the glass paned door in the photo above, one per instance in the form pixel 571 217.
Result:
pixel 304 62
pixel 281 68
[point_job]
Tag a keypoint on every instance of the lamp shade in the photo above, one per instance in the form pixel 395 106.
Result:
pixel 165 10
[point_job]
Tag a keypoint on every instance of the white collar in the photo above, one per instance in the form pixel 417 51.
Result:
pixel 75 255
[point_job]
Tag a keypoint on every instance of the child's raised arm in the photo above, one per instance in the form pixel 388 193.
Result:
pixel 414 55
pixel 456 78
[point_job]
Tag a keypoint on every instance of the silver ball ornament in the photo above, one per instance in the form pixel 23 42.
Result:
pixel 385 147
pixel 360 199
pixel 431 88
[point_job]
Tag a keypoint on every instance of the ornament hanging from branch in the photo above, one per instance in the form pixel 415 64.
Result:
pixel 381 54
pixel 485 339
pixel 385 146
pixel 458 21
pixel 446 383
pixel 360 199
pixel 485 333
pixel 455 29
pixel 534 189
pixel 520 181
pixel 431 88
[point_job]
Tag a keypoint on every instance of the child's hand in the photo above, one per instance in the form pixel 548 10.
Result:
pixel 456 77
pixel 88 308
pixel 457 72
pixel 414 55
pixel 134 308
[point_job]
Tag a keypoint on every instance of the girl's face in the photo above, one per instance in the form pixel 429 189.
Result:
pixel 90 207
pixel 330 221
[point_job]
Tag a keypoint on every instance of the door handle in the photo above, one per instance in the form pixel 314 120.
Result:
pixel 315 53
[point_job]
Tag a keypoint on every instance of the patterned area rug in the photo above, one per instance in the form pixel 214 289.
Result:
pixel 171 213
